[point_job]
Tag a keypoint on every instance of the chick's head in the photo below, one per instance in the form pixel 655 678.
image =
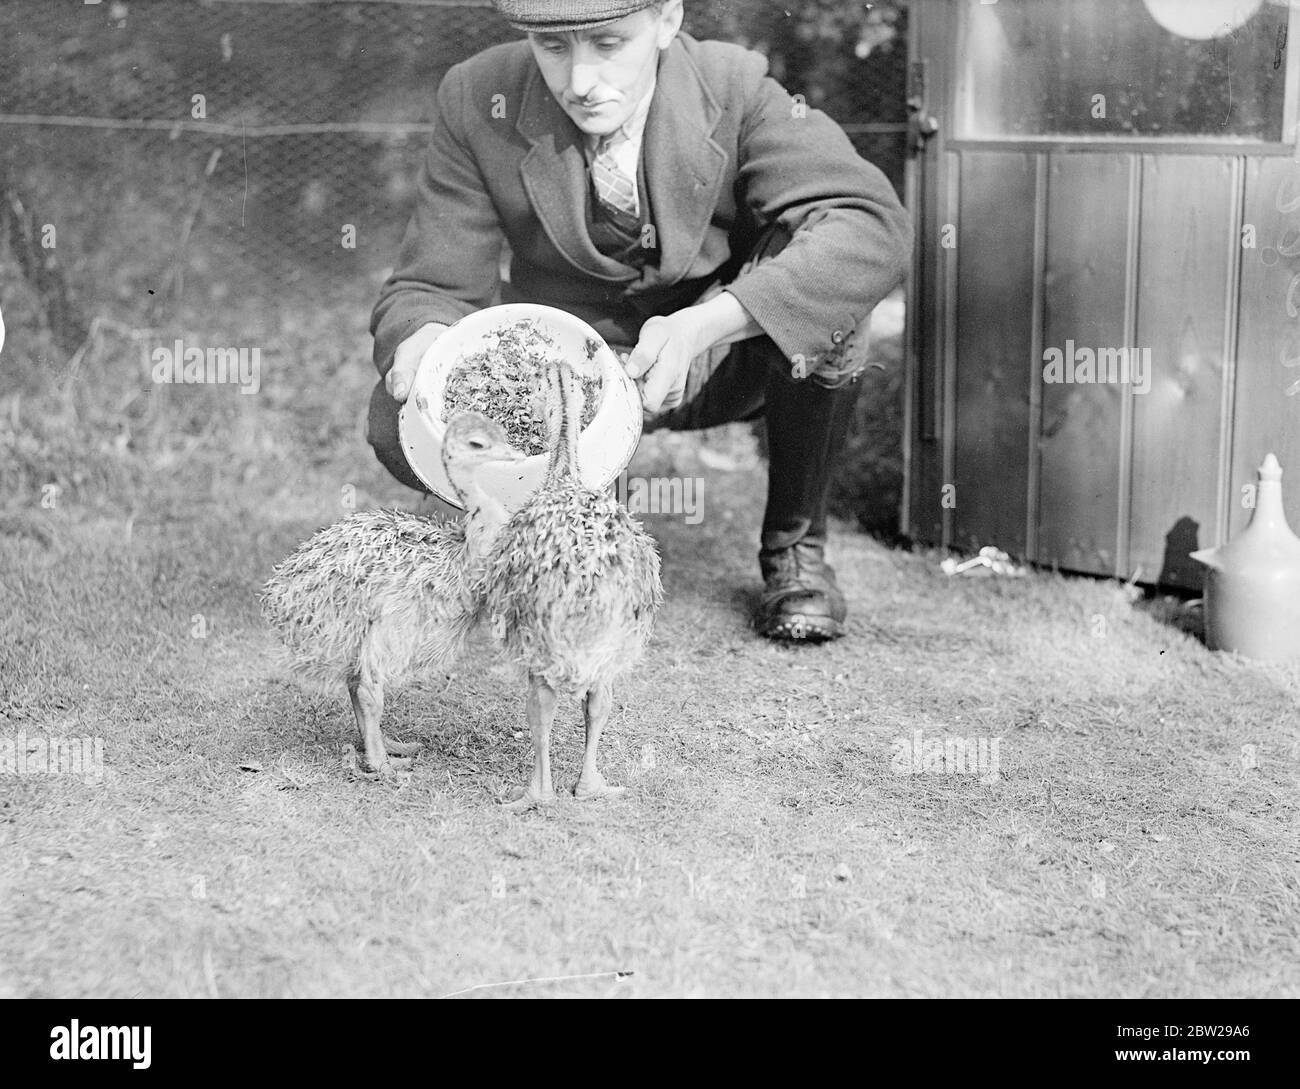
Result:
pixel 471 438
pixel 471 441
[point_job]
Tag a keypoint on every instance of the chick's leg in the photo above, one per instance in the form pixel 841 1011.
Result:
pixel 596 709
pixel 368 706
pixel 541 712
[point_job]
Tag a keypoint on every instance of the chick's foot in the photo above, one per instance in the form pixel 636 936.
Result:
pixel 594 786
pixel 389 768
pixel 402 748
pixel 522 799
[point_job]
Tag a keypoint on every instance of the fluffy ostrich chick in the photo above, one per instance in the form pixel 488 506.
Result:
pixel 571 587
pixel 385 594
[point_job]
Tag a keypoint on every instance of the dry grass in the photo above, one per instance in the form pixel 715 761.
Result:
pixel 766 846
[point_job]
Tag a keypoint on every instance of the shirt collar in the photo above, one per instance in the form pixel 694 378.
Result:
pixel 634 126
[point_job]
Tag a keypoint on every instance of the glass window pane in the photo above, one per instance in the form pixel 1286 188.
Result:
pixel 1203 68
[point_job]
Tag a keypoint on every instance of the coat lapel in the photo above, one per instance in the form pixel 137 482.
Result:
pixel 684 165
pixel 554 174
pixel 684 170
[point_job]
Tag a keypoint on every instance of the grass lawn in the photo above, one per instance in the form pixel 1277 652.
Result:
pixel 1138 836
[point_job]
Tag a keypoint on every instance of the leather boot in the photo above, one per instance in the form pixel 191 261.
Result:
pixel 807 425
pixel 800 597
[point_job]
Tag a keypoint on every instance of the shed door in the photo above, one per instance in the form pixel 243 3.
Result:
pixel 1102 347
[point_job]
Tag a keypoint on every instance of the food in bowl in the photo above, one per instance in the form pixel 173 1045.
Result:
pixel 503 378
pixel 605 445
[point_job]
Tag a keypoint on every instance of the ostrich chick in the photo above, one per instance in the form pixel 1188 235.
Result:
pixel 571 588
pixel 384 594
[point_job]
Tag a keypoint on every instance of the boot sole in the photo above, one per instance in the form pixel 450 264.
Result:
pixel 803 629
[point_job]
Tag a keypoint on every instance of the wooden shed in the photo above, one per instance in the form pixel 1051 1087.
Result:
pixel 1104 314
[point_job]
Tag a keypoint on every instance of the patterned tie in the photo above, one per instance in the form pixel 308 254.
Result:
pixel 613 186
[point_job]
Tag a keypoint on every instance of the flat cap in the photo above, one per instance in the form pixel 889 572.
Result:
pixel 554 16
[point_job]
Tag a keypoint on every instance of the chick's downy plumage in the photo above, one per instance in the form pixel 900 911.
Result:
pixel 385 594
pixel 572 587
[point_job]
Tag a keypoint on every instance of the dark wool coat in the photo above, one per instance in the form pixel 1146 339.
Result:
pixel 726 153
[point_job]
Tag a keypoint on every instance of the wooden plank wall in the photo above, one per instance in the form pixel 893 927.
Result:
pixel 1186 252
pixel 1267 417
pixel 925 377
pixel 1084 303
pixel 995 266
pixel 1127 483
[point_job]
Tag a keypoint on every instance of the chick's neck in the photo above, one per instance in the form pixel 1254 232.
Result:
pixel 564 454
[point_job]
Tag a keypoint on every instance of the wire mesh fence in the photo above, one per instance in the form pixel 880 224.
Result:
pixel 186 152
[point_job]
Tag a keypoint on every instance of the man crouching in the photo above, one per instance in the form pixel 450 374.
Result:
pixel 670 194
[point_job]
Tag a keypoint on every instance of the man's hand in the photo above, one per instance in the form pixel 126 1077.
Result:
pixel 668 344
pixel 406 360
pixel 663 356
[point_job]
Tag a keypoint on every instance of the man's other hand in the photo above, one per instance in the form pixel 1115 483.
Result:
pixel 406 360
pixel 662 358
pixel 668 344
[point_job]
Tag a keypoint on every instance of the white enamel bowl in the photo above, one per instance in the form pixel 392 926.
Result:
pixel 605 446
